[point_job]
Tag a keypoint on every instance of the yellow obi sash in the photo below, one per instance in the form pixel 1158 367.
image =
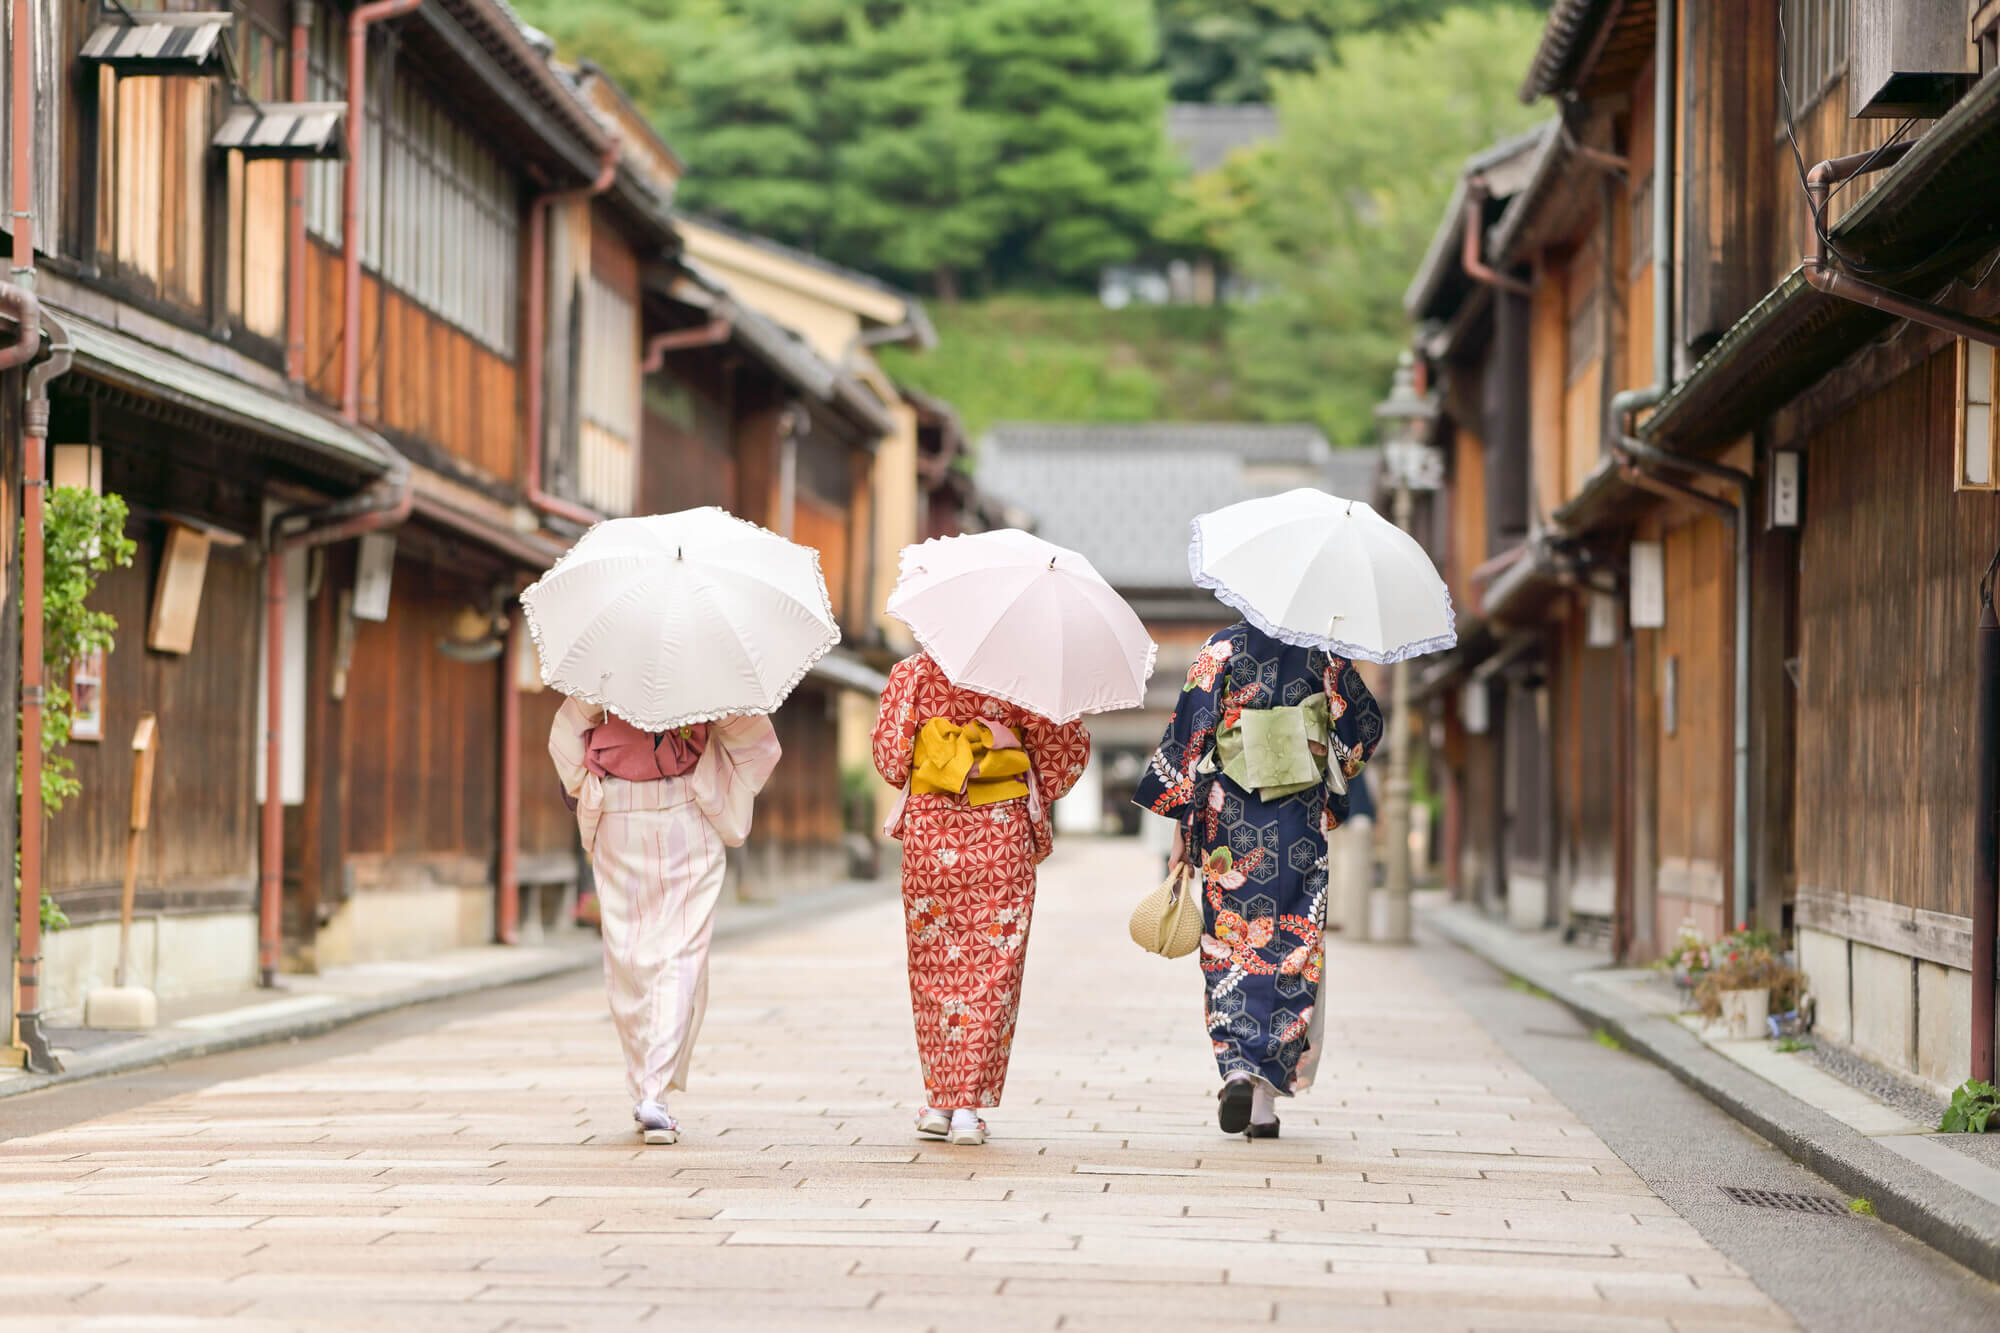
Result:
pixel 1278 752
pixel 982 761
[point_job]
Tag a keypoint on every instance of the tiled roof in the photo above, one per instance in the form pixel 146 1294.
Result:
pixel 1204 135
pixel 1124 495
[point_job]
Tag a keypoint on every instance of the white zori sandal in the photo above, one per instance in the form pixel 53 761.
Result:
pixel 967 1129
pixel 933 1123
pixel 655 1125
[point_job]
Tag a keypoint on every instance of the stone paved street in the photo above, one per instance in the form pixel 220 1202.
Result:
pixel 481 1173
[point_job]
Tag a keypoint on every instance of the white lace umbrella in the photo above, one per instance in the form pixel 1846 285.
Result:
pixel 679 618
pixel 1025 620
pixel 1315 570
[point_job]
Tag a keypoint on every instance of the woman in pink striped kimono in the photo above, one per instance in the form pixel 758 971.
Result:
pixel 655 812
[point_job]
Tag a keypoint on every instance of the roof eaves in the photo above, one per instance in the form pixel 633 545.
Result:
pixel 914 313
pixel 1551 160
pixel 1442 256
pixel 488 34
pixel 1565 40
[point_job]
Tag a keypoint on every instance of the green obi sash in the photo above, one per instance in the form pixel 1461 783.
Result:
pixel 1278 752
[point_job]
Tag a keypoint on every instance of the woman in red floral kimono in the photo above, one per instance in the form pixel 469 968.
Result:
pixel 980 775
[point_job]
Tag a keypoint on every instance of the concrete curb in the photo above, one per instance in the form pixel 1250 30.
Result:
pixel 170 1045
pixel 1942 1215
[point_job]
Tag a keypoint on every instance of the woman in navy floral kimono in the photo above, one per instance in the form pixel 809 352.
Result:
pixel 1256 766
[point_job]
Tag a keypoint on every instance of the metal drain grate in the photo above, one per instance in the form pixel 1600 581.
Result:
pixel 1797 1203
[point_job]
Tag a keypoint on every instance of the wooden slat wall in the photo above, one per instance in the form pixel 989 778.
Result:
pixel 1731 58
pixel 798 812
pixel 1889 568
pixel 1547 363
pixel 686 461
pixel 421 754
pixel 823 526
pixel 1589 682
pixel 546 823
pixel 420 376
pixel 1694 771
pixel 204 833
pixel 1468 512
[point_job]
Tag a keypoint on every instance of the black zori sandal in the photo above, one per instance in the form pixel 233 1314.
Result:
pixel 1233 1110
pixel 1267 1129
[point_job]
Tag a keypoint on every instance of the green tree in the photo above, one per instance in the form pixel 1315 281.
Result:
pixel 1227 50
pixel 1081 168
pixel 1330 219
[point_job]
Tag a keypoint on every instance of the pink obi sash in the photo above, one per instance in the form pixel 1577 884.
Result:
pixel 614 748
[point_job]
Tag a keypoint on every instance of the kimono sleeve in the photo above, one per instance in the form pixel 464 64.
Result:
pixel 896 724
pixel 741 753
pixel 1167 786
pixel 1057 753
pixel 1357 729
pixel 566 747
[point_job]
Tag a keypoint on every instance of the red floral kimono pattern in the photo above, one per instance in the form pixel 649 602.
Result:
pixel 969 882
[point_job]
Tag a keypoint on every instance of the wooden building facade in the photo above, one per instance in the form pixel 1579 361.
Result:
pixel 525 349
pixel 1755 583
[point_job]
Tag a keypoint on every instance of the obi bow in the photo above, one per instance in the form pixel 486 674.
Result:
pixel 614 748
pixel 982 761
pixel 1279 752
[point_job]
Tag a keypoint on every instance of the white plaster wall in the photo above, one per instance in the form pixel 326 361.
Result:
pixel 1884 999
pixel 174 957
pixel 1823 958
pixel 1944 1025
pixel 393 924
pixel 1527 901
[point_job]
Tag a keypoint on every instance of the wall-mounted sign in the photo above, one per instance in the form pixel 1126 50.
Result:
pixel 1473 702
pixel 177 593
pixel 86 697
pixel 375 565
pixel 1649 585
pixel 1787 465
pixel 1601 622
pixel 1670 695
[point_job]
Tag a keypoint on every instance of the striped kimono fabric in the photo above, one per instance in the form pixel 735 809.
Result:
pixel 657 850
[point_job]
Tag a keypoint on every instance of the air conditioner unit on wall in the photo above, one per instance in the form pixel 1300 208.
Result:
pixel 1907 58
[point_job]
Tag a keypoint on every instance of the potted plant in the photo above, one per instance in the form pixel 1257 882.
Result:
pixel 1688 961
pixel 1742 989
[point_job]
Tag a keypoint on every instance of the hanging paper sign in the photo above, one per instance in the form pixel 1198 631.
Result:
pixel 374 567
pixel 1649 585
pixel 1601 628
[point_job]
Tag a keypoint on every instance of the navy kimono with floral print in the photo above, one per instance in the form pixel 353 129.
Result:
pixel 1263 863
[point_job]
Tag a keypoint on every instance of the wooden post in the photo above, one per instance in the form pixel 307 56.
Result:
pixel 145 751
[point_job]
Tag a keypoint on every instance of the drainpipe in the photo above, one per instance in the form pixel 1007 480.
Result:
pixel 1820 273
pixel 21 297
pixel 680 340
pixel 382 505
pixel 1986 842
pixel 538 300
pixel 1624 405
pixel 358 23
pixel 295 208
pixel 1470 246
pixel 34 451
pixel 507 870
pixel 1636 453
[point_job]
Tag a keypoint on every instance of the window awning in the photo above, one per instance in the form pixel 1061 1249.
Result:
pixel 155 43
pixel 297 131
pixel 152 374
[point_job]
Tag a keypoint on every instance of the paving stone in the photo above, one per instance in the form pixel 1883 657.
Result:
pixel 482 1174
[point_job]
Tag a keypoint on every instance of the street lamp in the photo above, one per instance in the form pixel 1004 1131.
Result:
pixel 1413 464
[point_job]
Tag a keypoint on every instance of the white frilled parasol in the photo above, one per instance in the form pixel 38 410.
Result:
pixel 673 619
pixel 1024 620
pixel 1318 571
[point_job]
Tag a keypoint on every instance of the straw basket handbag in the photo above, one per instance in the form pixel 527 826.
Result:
pixel 1167 921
